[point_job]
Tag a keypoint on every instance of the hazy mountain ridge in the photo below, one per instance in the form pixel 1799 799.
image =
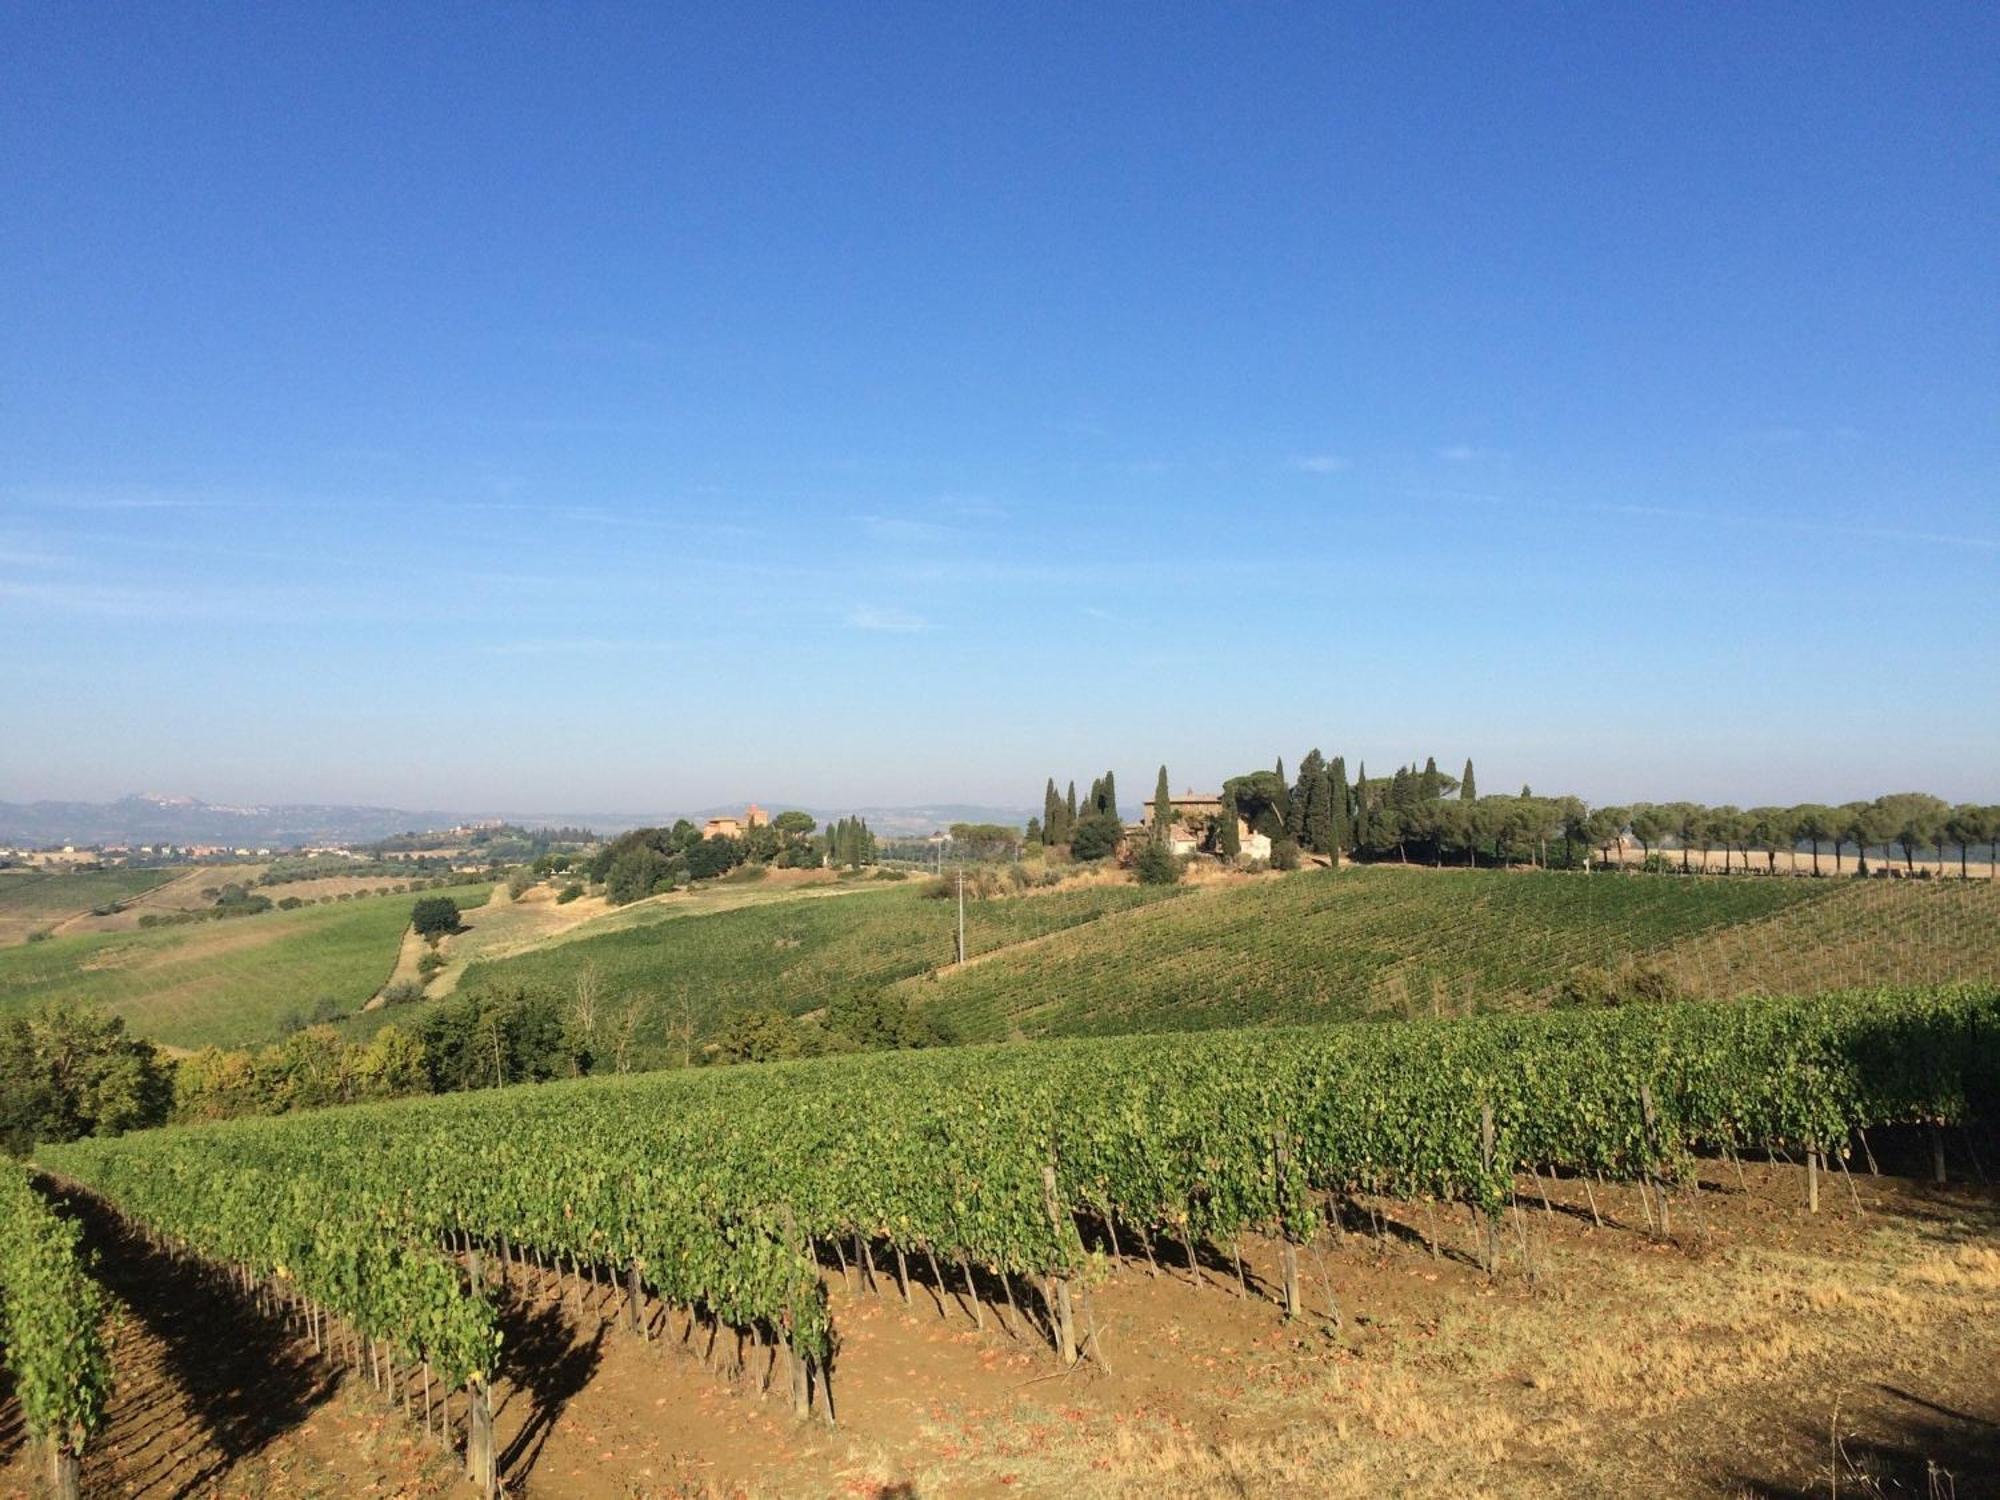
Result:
pixel 156 818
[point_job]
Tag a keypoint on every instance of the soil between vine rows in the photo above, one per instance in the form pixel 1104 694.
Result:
pixel 1756 1353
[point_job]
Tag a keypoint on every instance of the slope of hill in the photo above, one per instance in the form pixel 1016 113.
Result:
pixel 35 900
pixel 793 955
pixel 229 982
pixel 1330 944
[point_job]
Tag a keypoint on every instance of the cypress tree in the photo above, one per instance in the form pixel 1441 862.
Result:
pixel 1051 814
pixel 1284 798
pixel 1468 789
pixel 1229 837
pixel 1361 809
pixel 1319 814
pixel 1431 783
pixel 1108 794
pixel 1163 807
pixel 1069 813
pixel 1401 787
pixel 1342 806
pixel 1311 770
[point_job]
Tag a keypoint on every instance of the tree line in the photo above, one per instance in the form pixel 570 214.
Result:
pixel 650 861
pixel 1424 815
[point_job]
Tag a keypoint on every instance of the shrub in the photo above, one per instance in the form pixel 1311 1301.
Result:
pixel 1156 865
pixel 1096 836
pixel 568 893
pixel 434 917
pixel 1284 854
pixel 403 992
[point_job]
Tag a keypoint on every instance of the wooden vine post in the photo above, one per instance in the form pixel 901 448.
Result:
pixel 481 1465
pixel 1651 1118
pixel 65 1470
pixel 795 1359
pixel 1283 1158
pixel 1059 1304
pixel 1490 1235
pixel 634 1324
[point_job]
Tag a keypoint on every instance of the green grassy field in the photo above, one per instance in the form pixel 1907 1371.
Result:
pixel 794 955
pixel 1327 945
pixel 230 982
pixel 31 900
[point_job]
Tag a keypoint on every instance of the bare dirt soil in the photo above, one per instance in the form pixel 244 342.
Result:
pixel 1753 1350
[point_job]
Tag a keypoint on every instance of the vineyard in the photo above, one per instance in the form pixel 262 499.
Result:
pixel 33 900
pixel 1006 1178
pixel 800 954
pixel 221 983
pixel 1353 943
pixel 1867 932
pixel 50 1333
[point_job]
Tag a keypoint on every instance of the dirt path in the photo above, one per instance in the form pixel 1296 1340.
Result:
pixel 169 896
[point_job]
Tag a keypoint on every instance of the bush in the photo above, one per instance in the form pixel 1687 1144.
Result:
pixel 1284 854
pixel 892 874
pixel 434 917
pixel 403 992
pixel 430 963
pixel 1096 836
pixel 745 875
pixel 1156 865
pixel 1591 986
pixel 291 903
pixel 568 893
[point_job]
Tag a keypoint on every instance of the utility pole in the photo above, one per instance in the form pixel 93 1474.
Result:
pixel 961 914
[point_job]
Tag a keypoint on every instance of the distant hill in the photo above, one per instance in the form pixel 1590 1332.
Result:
pixel 153 818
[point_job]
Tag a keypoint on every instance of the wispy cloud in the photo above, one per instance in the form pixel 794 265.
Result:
pixel 1465 453
pixel 129 498
pixel 973 507
pixel 1786 434
pixel 894 621
pixel 1796 525
pixel 1322 463
pixel 902 532
pixel 108 600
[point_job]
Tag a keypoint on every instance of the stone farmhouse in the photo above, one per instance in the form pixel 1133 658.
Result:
pixel 734 828
pixel 1194 814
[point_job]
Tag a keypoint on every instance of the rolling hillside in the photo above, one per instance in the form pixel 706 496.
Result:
pixel 35 900
pixel 792 955
pixel 1327 945
pixel 229 982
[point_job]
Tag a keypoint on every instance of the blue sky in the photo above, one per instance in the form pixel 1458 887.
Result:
pixel 599 407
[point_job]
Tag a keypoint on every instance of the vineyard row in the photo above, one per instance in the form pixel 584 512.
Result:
pixel 726 1192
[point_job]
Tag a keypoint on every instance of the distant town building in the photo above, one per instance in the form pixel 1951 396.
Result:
pixel 734 828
